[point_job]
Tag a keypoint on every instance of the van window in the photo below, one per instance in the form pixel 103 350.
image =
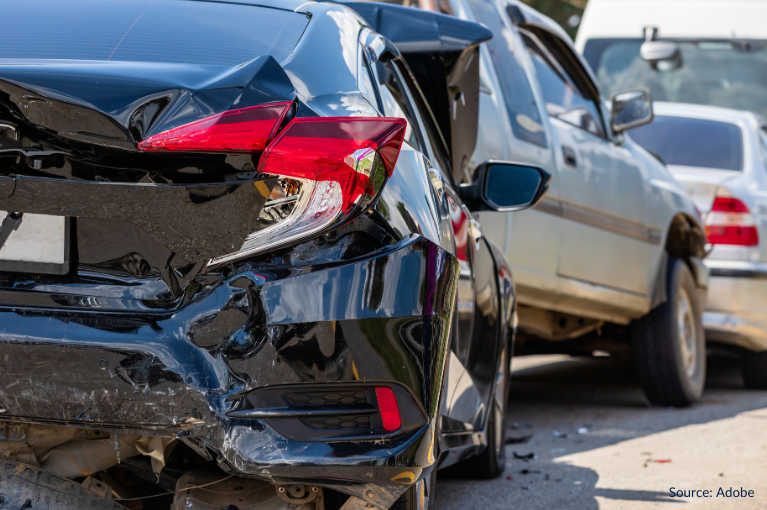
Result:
pixel 731 74
pixel 692 142
pixel 523 112
pixel 171 31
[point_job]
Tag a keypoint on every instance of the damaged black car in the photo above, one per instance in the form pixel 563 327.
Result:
pixel 238 263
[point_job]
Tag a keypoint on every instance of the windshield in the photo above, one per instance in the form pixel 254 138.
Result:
pixel 731 74
pixel 692 142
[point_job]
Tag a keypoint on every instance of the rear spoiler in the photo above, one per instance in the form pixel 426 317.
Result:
pixel 443 53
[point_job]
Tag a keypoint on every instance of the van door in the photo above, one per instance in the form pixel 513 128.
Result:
pixel 604 235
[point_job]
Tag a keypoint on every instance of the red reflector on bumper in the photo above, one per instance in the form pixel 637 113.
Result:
pixel 732 235
pixel 387 406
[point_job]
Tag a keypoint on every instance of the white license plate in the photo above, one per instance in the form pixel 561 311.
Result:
pixel 39 241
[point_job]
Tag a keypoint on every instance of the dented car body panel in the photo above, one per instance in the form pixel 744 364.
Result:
pixel 178 374
pixel 141 335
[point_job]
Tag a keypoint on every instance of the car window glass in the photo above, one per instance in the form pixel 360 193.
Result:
pixel 434 136
pixel 692 142
pixel 395 102
pixel 563 99
pixel 518 95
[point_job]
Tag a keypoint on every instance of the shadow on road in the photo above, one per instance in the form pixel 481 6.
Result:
pixel 575 405
pixel 661 497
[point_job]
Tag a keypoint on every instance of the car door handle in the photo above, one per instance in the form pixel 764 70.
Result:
pixel 569 155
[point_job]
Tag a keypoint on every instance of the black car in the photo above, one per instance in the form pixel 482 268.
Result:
pixel 237 252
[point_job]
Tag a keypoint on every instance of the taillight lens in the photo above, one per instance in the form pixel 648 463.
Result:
pixel 342 150
pixel 330 169
pixel 244 130
pixel 730 222
pixel 388 409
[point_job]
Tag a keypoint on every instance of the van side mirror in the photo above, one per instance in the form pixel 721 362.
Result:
pixel 663 56
pixel 631 109
pixel 505 186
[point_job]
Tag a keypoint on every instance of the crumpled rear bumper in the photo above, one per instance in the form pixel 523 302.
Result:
pixel 383 317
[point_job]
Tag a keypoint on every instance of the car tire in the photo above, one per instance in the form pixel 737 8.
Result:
pixel 419 496
pixel 669 343
pixel 754 370
pixel 28 487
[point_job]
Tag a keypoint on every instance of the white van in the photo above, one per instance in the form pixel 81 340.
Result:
pixel 719 49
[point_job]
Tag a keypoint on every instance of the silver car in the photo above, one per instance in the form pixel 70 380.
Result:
pixel 720 156
pixel 610 260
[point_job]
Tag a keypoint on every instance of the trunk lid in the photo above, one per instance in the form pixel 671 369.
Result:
pixel 76 96
pixel 702 183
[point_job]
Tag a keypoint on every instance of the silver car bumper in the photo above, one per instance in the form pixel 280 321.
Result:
pixel 736 308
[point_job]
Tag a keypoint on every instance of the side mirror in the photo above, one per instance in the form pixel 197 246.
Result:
pixel 505 186
pixel 631 109
pixel 663 56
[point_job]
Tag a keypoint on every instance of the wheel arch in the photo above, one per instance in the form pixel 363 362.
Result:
pixel 685 240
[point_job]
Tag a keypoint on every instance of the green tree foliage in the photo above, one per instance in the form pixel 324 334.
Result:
pixel 565 12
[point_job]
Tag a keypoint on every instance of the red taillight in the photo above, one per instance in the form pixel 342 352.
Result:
pixel 340 163
pixel 388 408
pixel 730 222
pixel 243 130
pixel 729 205
pixel 336 149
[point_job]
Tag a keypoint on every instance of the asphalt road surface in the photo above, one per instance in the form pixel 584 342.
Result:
pixel 600 445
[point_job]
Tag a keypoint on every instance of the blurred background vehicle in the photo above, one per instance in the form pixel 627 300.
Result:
pixel 720 157
pixel 713 54
pixel 710 52
pixel 613 251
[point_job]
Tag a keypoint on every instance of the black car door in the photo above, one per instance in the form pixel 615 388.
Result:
pixel 475 342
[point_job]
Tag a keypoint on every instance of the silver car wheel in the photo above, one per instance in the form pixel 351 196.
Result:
pixel 686 332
